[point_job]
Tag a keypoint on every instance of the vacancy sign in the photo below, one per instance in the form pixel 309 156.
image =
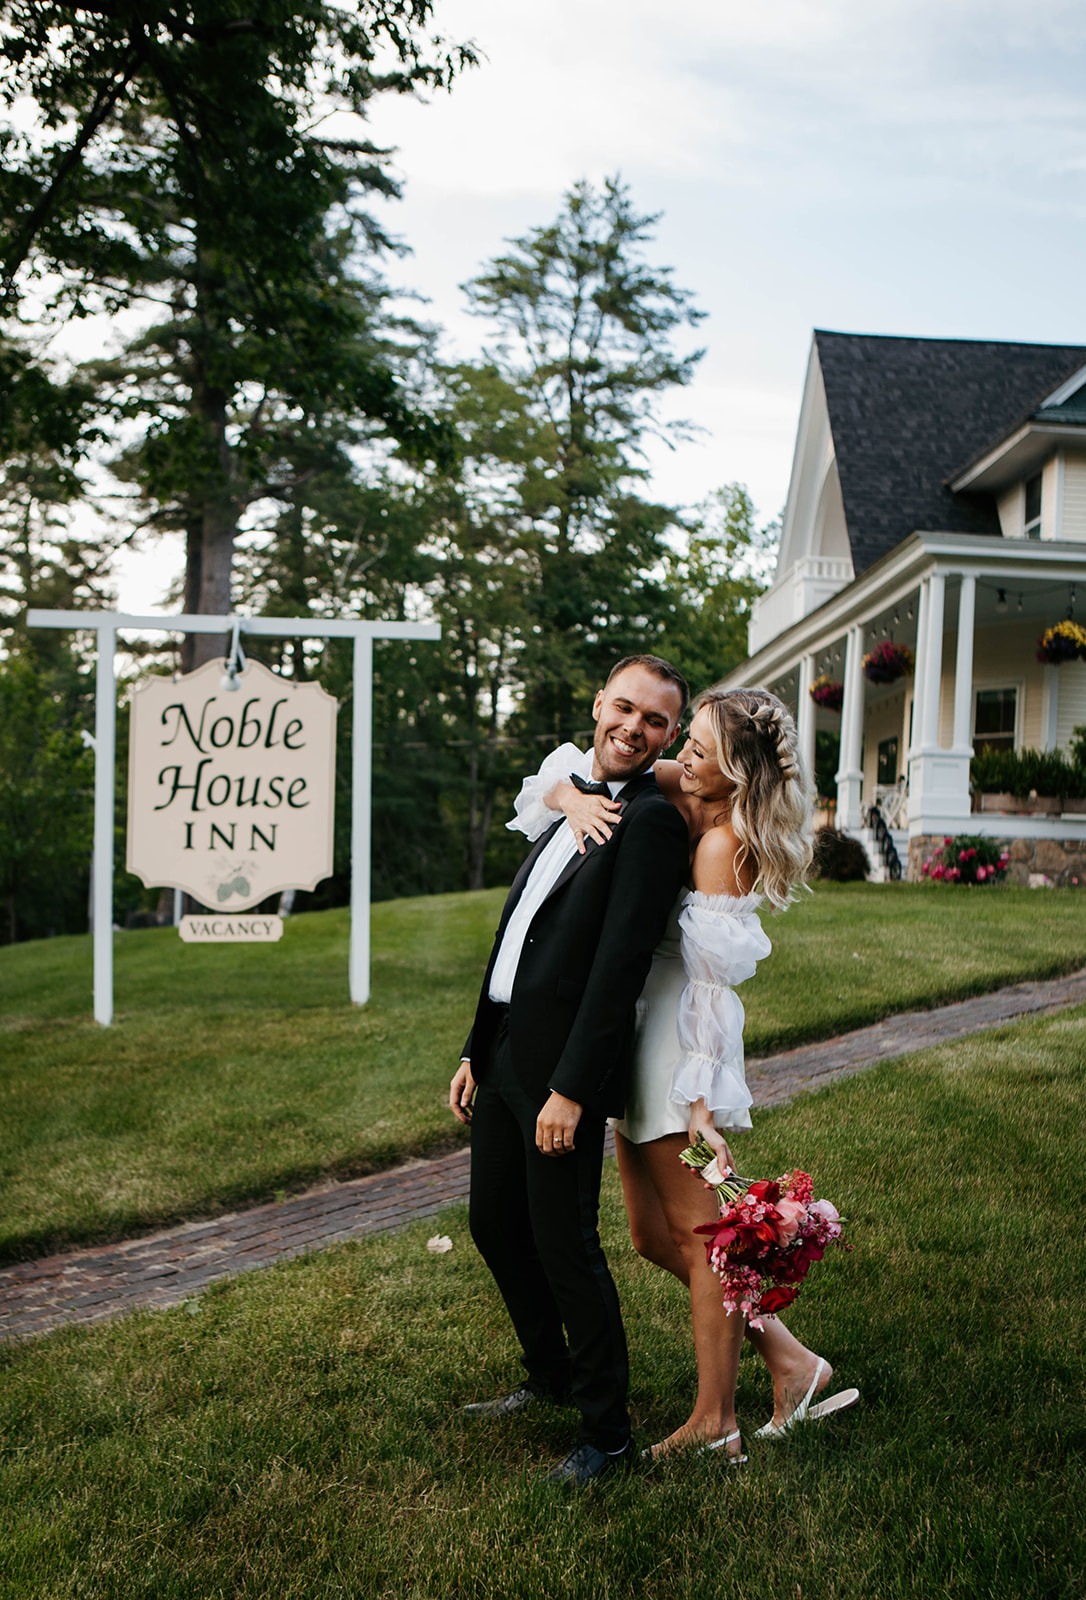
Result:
pixel 231 791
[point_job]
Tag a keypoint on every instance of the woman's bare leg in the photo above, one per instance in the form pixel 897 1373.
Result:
pixel 791 1364
pixel 666 1203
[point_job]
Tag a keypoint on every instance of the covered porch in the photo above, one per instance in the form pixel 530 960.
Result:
pixel 970 609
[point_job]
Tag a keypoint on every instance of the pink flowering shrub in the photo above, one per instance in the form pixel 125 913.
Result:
pixel 966 860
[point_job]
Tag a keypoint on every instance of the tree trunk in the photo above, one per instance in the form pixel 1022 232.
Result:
pixel 212 529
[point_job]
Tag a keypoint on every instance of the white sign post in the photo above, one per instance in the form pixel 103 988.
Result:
pixel 107 624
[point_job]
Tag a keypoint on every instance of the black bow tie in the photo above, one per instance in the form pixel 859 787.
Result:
pixel 590 788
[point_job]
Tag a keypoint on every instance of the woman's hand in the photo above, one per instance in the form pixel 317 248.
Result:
pixel 702 1127
pixel 462 1092
pixel 591 816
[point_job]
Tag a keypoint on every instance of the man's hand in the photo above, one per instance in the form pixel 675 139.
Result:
pixel 462 1092
pixel 556 1125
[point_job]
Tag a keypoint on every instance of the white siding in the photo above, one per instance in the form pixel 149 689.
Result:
pixel 1050 498
pixel 1071 704
pixel 1004 658
pixel 1010 505
pixel 885 720
pixel 1074 498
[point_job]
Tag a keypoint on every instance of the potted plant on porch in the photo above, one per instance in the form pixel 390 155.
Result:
pixel 1030 782
pixel 827 693
pixel 887 662
pixel 1064 641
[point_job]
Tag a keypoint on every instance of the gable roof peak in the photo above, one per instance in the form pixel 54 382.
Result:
pixel 906 414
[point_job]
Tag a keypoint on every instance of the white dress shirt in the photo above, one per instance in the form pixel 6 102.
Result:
pixel 544 875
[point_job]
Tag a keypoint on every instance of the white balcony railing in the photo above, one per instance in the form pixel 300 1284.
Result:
pixel 804 587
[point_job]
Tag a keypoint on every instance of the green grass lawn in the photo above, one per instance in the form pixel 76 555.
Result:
pixel 295 1434
pixel 236 1072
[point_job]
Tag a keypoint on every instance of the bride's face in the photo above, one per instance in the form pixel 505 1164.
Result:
pixel 701 774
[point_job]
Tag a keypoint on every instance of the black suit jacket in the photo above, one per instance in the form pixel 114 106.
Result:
pixel 587 955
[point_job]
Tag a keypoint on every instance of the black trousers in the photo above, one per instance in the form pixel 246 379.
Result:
pixel 535 1222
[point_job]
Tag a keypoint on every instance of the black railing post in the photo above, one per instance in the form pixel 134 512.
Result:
pixel 887 849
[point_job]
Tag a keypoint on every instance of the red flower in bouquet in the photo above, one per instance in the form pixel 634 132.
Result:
pixel 767 1237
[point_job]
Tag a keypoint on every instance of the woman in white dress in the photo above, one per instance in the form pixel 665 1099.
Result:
pixel 738 783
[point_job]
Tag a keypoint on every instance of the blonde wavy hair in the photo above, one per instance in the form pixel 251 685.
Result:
pixel 757 750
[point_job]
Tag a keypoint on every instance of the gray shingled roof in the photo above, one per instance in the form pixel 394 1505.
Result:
pixel 908 414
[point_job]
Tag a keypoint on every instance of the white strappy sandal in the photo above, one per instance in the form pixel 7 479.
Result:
pixel 806 1412
pixel 651 1460
pixel 739 1460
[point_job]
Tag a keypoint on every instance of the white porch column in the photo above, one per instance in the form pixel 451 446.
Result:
pixel 850 776
pixel 938 778
pixel 805 717
pixel 962 743
pixel 1050 705
pixel 930 676
pixel 916 738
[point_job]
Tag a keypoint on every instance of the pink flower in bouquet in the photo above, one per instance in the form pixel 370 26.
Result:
pixel 791 1215
pixel 799 1186
pixel 828 1212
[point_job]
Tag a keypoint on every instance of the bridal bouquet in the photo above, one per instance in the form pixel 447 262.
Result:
pixel 768 1234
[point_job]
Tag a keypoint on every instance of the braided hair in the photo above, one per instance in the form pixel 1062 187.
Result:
pixel 758 752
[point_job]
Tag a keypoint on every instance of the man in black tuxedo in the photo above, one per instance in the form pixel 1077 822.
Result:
pixel 548 1060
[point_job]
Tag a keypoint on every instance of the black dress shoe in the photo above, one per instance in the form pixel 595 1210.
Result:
pixel 585 1464
pixel 506 1405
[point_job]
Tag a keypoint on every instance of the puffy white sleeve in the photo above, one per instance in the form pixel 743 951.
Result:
pixel 722 943
pixel 533 817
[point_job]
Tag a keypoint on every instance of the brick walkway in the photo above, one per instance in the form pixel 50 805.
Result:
pixel 168 1267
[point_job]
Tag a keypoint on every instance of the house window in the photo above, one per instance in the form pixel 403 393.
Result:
pixel 993 726
pixel 1032 526
pixel 887 762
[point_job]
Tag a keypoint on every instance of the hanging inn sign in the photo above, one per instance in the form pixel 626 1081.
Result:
pixel 231 792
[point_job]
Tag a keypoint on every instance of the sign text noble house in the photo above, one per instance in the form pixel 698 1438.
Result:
pixel 231 791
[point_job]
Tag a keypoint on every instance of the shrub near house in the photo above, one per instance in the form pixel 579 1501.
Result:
pixel 967 860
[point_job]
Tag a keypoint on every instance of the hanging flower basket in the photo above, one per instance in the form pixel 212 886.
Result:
pixel 828 694
pixel 1065 641
pixel 887 662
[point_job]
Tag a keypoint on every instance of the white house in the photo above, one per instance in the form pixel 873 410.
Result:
pixel 937 500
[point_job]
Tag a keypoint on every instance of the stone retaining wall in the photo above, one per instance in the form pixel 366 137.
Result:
pixel 1034 862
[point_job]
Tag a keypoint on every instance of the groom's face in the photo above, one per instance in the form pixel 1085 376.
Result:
pixel 637 717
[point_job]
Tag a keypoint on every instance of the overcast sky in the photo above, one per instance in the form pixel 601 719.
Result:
pixel 871 166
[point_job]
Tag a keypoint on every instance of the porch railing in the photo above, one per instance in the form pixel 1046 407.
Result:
pixel 886 847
